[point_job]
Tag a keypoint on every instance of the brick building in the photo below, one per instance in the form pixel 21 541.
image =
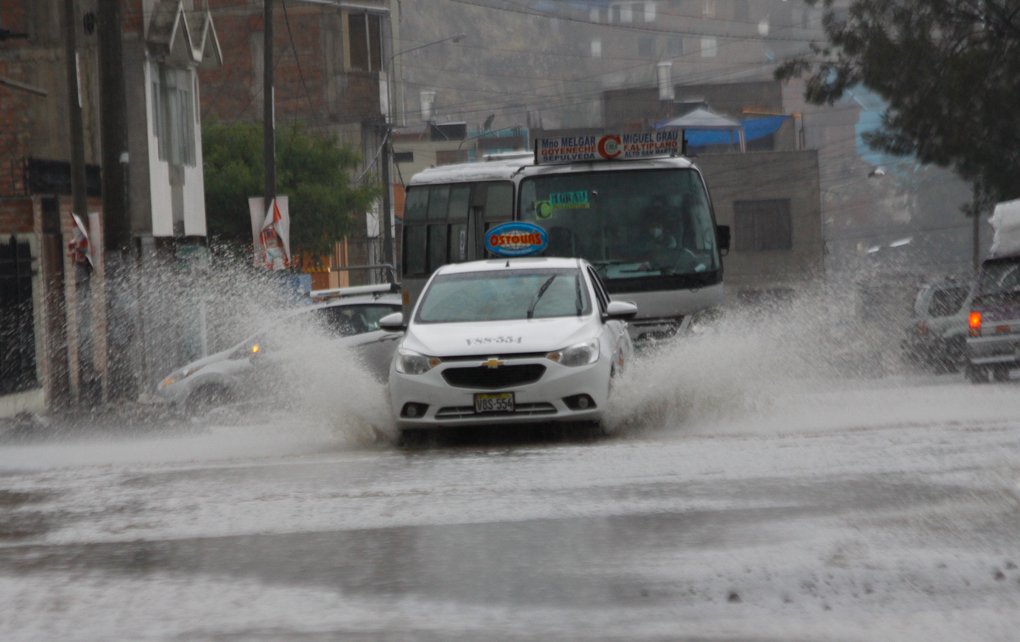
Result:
pixel 330 75
pixel 53 331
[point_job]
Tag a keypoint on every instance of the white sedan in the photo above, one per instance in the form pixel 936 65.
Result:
pixel 508 341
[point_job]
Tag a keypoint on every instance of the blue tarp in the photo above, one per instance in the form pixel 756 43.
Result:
pixel 754 128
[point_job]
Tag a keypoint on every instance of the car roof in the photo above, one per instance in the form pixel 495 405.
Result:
pixel 388 298
pixel 501 265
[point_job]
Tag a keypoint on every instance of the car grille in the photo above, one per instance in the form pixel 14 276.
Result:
pixel 465 412
pixel 502 377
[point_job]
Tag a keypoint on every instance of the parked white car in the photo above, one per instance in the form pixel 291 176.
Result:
pixel 509 341
pixel 351 316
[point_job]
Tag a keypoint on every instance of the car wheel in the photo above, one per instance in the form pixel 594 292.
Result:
pixel 976 374
pixel 208 396
pixel 955 357
pixel 413 438
pixel 1000 373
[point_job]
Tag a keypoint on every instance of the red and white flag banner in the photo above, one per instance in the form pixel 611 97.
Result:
pixel 272 240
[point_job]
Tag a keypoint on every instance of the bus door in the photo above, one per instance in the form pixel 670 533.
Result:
pixel 491 204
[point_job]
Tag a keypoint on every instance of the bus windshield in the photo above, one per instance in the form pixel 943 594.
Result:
pixel 630 224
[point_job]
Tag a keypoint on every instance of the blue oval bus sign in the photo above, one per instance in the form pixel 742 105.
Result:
pixel 516 239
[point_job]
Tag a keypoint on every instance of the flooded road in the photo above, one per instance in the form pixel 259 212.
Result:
pixel 883 510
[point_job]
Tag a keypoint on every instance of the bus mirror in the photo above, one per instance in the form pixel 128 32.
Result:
pixel 722 237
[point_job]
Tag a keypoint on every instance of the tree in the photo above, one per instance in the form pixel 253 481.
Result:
pixel 949 71
pixel 313 171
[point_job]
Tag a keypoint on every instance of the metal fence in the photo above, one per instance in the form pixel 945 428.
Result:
pixel 17 331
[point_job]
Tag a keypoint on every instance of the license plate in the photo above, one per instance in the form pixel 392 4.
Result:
pixel 494 402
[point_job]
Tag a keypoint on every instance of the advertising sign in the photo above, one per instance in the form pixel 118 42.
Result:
pixel 608 147
pixel 516 239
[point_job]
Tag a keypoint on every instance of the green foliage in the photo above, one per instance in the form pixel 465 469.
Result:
pixel 312 171
pixel 949 71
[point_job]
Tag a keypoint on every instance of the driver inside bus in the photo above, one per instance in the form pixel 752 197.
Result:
pixel 656 246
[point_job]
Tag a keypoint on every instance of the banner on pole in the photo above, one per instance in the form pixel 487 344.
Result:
pixel 78 247
pixel 270 232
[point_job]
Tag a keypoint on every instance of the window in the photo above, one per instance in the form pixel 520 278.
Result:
pixel 365 41
pixel 676 46
pixel 174 113
pixel 645 46
pixel 708 9
pixel 742 10
pixel 946 302
pixel 709 47
pixel 763 225
pixel 596 48
pixel 649 12
pixel 626 13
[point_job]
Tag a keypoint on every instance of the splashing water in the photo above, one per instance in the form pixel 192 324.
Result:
pixel 750 360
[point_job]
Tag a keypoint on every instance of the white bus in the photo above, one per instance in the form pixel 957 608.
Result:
pixel 645 221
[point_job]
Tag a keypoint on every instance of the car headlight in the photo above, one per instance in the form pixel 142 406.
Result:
pixel 178 375
pixel 413 363
pixel 581 354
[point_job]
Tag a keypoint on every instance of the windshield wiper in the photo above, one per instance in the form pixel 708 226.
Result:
pixel 541 291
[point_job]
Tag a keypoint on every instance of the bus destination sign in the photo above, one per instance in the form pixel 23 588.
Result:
pixel 632 146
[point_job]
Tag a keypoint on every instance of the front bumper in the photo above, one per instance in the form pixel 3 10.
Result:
pixel 544 400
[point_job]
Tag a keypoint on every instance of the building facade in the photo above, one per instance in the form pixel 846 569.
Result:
pixel 331 75
pixel 55 337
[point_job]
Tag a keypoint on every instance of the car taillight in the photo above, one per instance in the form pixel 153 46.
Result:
pixel 974 323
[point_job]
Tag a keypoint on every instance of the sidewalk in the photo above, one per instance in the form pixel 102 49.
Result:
pixel 122 418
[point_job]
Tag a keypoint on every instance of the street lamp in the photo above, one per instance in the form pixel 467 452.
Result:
pixel 390 68
pixel 386 150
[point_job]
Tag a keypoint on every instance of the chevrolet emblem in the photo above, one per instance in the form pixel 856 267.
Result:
pixel 493 363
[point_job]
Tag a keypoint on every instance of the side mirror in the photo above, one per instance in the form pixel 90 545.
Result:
pixel 621 310
pixel 393 322
pixel 722 237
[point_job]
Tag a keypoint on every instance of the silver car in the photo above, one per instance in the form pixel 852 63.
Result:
pixel 351 317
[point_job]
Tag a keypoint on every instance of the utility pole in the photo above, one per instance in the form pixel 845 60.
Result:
pixel 975 212
pixel 121 346
pixel 387 207
pixel 78 199
pixel 74 110
pixel 268 110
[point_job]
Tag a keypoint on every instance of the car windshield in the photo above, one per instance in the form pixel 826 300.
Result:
pixel 504 295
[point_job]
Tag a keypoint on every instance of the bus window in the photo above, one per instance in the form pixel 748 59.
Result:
pixel 460 204
pixel 415 216
pixel 439 200
pixel 438 245
pixel 414 250
pixel 499 202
